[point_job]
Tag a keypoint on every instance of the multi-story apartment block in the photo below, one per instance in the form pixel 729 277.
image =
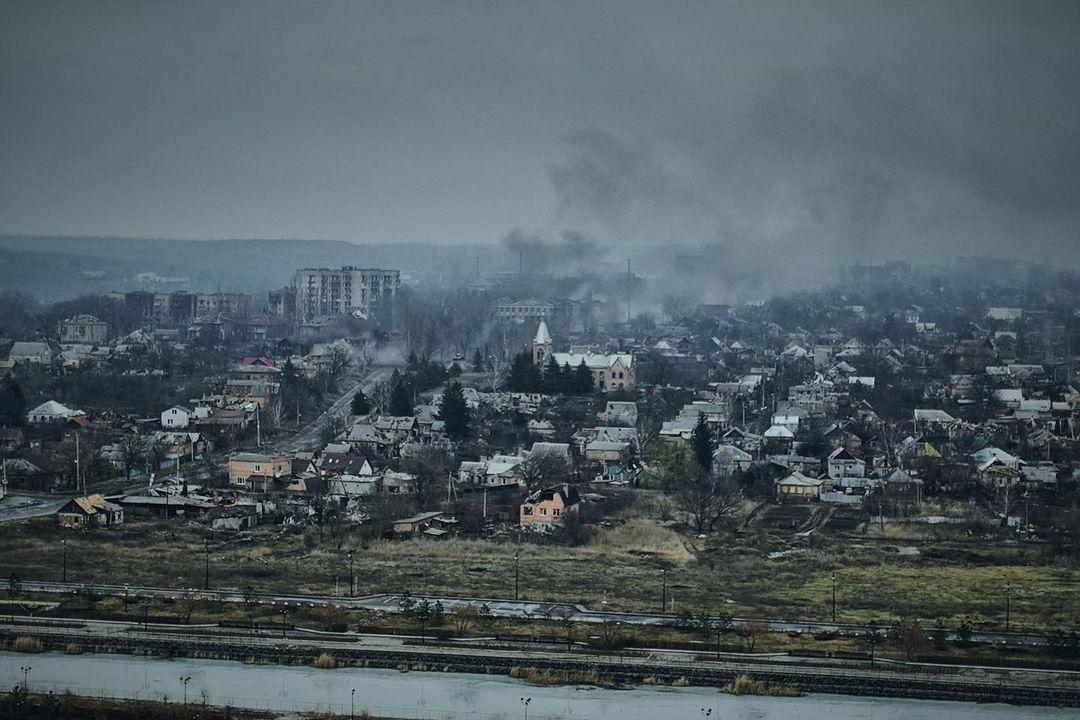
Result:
pixel 321 292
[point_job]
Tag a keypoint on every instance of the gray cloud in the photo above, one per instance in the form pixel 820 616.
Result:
pixel 743 131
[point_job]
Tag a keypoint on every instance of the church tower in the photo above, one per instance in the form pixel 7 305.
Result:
pixel 541 344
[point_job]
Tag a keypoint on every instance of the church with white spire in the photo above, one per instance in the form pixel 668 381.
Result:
pixel 611 373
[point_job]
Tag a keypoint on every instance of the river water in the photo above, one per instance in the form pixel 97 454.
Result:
pixel 450 696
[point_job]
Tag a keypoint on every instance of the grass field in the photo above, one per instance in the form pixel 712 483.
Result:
pixel 619 569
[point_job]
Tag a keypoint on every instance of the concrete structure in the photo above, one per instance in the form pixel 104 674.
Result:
pixel 85 329
pixel 610 372
pixel 50 412
pixel 176 417
pixel 322 292
pixel 90 511
pixel 549 506
pixel 247 470
pixel 521 311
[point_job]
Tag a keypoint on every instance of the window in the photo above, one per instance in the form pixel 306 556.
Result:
pixel 543 511
pixel 526 510
pixel 556 512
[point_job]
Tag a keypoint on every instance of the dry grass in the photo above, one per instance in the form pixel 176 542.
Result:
pixel 951 581
pixel 325 661
pixel 550 677
pixel 73 649
pixel 27 644
pixel 644 537
pixel 746 685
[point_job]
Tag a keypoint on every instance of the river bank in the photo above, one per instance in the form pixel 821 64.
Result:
pixel 626 670
pixel 448 696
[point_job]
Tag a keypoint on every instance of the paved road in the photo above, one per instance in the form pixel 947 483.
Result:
pixel 310 437
pixel 499 607
pixel 22 507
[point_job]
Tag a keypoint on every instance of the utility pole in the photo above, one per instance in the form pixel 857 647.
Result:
pixel 1008 605
pixel 663 593
pixel 78 470
pixel 284 619
pixel 516 558
pixel 258 426
pixel 352 581
pixel 206 570
pixel 64 576
pixel 833 577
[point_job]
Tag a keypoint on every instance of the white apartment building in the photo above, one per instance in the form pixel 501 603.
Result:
pixel 321 292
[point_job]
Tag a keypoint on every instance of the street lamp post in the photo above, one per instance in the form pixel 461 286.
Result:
pixel 284 618
pixel 517 557
pixel 64 575
pixel 185 679
pixel 352 704
pixel 663 592
pixel 352 581
pixel 833 577
pixel 206 567
pixel 1008 604
pixel 525 701
pixel 26 678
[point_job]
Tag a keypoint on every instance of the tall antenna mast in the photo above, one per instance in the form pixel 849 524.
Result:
pixel 628 291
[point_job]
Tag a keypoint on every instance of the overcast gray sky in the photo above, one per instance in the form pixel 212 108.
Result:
pixel 834 127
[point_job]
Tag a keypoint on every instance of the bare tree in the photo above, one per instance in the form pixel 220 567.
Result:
pixel 430 468
pixel 463 617
pixel 706 499
pixel 339 360
pixel 187 605
pixel 540 470
pixel 273 413
pixel 381 394
pixel 752 633
pixel 133 450
pixel 332 428
pixel 564 614
pixel 1004 500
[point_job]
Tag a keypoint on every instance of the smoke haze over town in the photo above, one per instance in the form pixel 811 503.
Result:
pixel 479 359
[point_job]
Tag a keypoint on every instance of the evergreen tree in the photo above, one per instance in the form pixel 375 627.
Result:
pixel 454 412
pixel 702 443
pixel 413 360
pixel 360 404
pixel 12 404
pixel 288 373
pixel 518 378
pixel 400 397
pixel 583 379
pixel 569 382
pixel 455 370
pixel 552 380
pixel 477 361
pixel 524 375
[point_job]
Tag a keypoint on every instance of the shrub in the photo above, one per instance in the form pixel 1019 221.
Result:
pixel 746 685
pixel 325 661
pixel 27 644
pixel 73 649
